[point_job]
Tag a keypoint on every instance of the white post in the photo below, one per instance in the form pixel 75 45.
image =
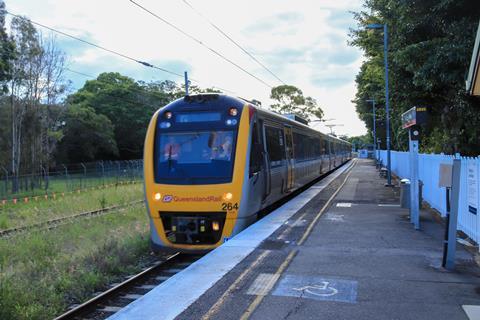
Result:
pixel 414 187
pixel 452 226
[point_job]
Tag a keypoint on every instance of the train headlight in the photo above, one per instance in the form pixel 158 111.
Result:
pixel 165 125
pixel 227 196
pixel 231 122
pixel 157 196
pixel 215 225
pixel 168 115
pixel 233 112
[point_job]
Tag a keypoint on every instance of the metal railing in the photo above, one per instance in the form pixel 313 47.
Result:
pixel 65 178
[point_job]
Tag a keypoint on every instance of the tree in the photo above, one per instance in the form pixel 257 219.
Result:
pixel 129 106
pixel 36 87
pixel 6 52
pixel 359 142
pixel 87 136
pixel 290 99
pixel 22 91
pixel 430 46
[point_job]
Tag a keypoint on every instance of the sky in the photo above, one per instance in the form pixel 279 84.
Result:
pixel 303 42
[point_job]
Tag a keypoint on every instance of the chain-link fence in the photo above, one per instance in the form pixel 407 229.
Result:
pixel 72 177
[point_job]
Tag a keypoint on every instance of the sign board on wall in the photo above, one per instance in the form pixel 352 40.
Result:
pixel 472 184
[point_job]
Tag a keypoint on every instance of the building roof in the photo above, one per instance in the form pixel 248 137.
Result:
pixel 473 80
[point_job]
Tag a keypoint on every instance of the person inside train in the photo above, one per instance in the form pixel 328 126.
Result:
pixel 171 151
pixel 226 148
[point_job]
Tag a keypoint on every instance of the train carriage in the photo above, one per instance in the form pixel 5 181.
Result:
pixel 212 162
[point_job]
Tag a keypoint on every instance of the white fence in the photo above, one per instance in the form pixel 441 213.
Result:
pixel 428 168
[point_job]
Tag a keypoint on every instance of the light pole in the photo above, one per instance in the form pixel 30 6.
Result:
pixel 387 100
pixel 374 129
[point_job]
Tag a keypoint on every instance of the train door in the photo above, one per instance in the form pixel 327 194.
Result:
pixel 330 156
pixel 290 158
pixel 322 152
pixel 266 161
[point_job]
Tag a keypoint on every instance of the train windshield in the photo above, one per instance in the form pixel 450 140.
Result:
pixel 194 157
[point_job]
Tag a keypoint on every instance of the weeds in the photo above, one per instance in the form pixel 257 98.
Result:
pixel 43 272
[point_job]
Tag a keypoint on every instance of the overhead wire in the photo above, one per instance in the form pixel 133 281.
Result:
pixel 200 43
pixel 144 63
pixel 233 41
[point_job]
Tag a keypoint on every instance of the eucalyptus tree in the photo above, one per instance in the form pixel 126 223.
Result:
pixel 290 99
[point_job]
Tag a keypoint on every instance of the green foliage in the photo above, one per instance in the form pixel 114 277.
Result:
pixel 6 52
pixel 360 142
pixel 290 99
pixel 128 105
pixel 87 135
pixel 430 47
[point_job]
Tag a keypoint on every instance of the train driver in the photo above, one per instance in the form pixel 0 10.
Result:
pixel 171 151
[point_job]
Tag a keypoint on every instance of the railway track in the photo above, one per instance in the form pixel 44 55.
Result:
pixel 120 295
pixel 54 223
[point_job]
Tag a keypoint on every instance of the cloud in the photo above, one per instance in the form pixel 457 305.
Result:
pixel 279 24
pixel 339 55
pixel 341 19
pixel 303 42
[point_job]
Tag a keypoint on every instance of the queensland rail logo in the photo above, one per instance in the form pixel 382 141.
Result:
pixel 167 198
pixel 197 199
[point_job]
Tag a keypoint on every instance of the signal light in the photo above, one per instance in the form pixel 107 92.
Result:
pixel 215 226
pixel 168 115
pixel 233 112
pixel 227 196
pixel 157 196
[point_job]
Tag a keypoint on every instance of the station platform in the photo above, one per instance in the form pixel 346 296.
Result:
pixel 343 249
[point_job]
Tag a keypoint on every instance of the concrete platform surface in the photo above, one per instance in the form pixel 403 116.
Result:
pixel 362 260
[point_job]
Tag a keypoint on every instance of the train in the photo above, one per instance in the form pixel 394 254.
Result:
pixel 212 162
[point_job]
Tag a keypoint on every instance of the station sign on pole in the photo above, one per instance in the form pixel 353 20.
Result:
pixel 414 117
pixel 411 120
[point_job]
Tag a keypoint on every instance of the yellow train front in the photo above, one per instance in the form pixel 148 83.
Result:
pixel 212 162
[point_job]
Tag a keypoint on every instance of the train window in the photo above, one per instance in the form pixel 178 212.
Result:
pixel 194 157
pixel 256 151
pixel 307 148
pixel 275 145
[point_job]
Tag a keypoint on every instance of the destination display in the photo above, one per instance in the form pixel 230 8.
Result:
pixel 414 116
pixel 198 117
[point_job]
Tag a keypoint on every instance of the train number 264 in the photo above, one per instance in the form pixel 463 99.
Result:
pixel 229 206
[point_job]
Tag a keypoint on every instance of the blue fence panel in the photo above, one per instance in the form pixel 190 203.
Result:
pixel 429 167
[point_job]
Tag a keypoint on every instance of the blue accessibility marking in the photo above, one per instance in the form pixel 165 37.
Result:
pixel 317 288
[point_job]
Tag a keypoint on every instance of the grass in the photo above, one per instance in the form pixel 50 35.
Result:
pixel 44 272
pixel 21 214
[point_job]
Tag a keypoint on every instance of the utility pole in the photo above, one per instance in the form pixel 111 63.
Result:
pixel 387 99
pixel 374 129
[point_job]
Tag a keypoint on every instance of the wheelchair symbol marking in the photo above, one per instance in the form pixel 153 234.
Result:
pixel 321 290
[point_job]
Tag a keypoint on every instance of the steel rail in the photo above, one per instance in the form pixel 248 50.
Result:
pixel 88 305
